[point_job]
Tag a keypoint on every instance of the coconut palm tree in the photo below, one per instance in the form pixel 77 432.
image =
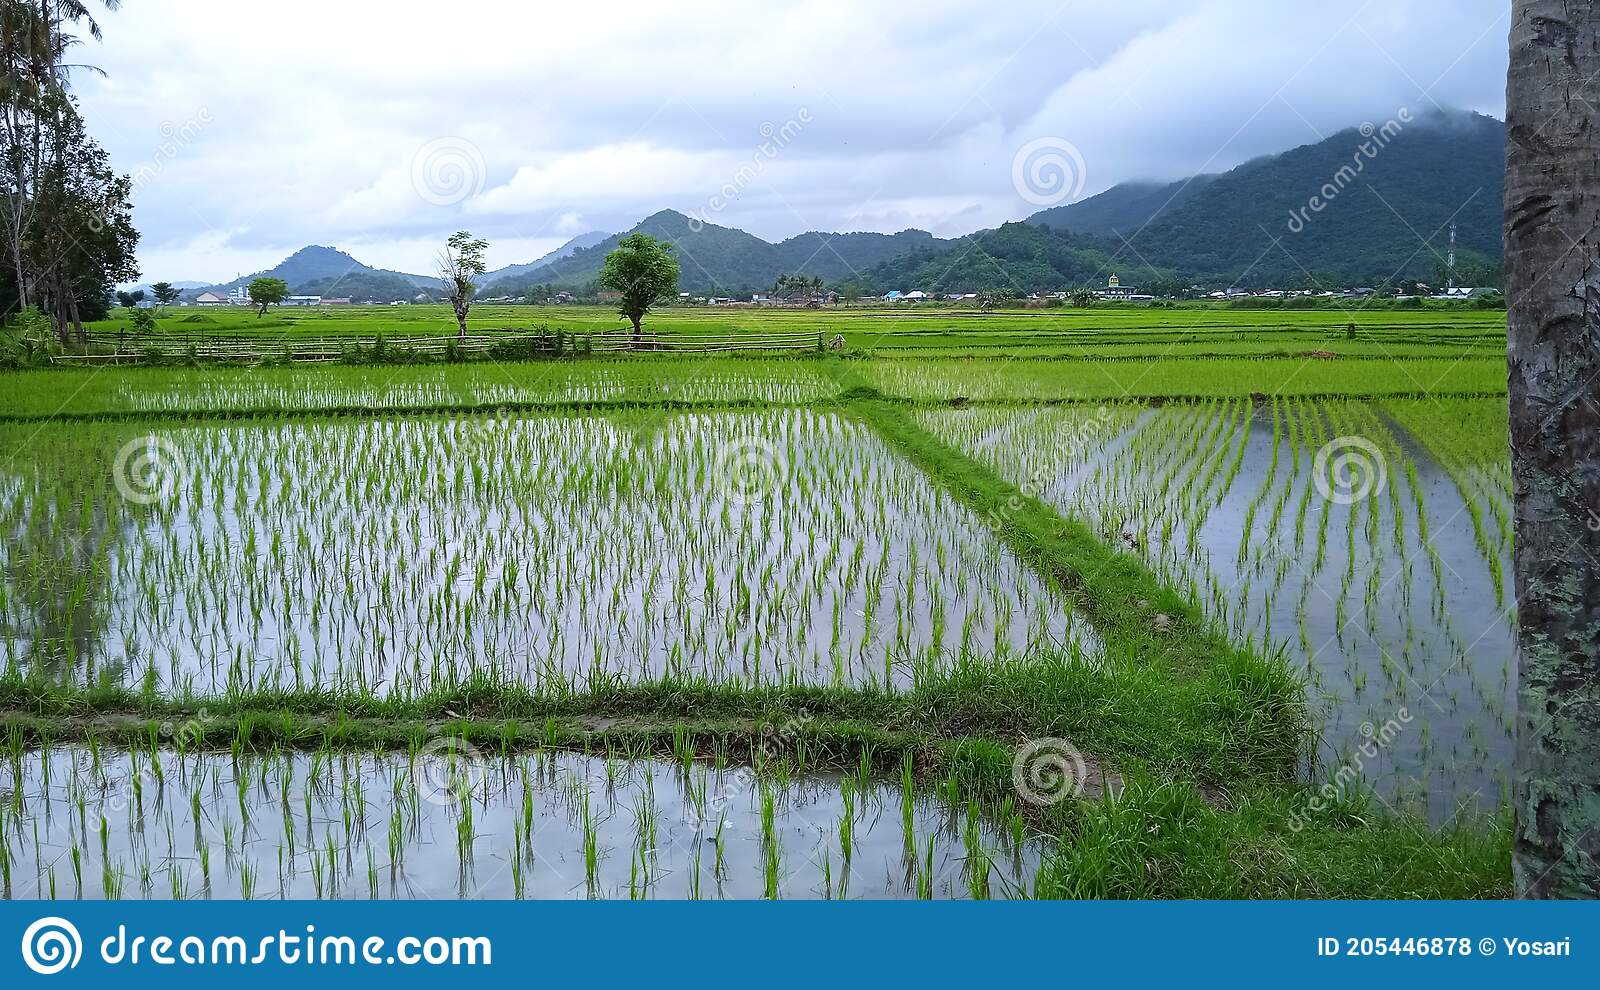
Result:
pixel 1552 239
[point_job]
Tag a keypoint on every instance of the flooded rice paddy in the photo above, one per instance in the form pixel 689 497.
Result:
pixel 1367 541
pixel 392 556
pixel 1379 564
pixel 447 822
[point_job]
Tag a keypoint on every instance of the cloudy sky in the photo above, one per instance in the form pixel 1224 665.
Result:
pixel 254 129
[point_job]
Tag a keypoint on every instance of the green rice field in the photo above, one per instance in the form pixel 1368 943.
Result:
pixel 1105 603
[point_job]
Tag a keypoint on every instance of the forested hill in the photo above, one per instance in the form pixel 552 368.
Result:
pixel 1018 258
pixel 317 270
pixel 723 260
pixel 1123 208
pixel 1359 208
pixel 1379 213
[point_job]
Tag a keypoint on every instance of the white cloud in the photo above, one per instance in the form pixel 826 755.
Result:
pixel 595 115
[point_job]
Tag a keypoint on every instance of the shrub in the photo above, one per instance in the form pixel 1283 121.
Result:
pixel 27 340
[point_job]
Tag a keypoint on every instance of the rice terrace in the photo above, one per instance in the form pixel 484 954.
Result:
pixel 1124 601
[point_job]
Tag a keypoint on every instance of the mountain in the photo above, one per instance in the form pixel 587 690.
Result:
pixel 1361 207
pixel 1018 257
pixel 590 239
pixel 327 271
pixel 723 260
pixel 182 286
pixel 1365 206
pixel 1123 208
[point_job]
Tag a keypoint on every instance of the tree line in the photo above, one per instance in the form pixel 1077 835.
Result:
pixel 66 226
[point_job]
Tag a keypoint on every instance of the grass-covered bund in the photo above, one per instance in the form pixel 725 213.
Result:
pixel 901 608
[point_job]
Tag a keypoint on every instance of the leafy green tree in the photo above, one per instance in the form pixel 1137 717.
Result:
pixel 65 218
pixel 165 292
pixel 644 271
pixel 990 298
pixel 266 292
pixel 1082 297
pixel 806 289
pixel 460 263
pixel 144 321
pixel 1168 288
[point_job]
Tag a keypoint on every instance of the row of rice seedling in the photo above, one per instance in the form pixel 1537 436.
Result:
pixel 1307 527
pixel 301 388
pixel 446 821
pixel 560 551
pixel 1093 378
pixel 1470 440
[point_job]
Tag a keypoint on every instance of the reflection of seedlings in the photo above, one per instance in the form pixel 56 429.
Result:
pixel 1370 597
pixel 854 572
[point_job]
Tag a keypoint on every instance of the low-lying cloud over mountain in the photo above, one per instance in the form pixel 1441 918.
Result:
pixel 522 124
pixel 1366 205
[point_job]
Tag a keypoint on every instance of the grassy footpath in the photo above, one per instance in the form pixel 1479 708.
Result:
pixel 1253 833
pixel 1160 837
pixel 1254 705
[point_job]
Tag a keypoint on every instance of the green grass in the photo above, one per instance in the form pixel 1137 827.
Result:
pixel 1162 836
pixel 1256 698
pixel 859 324
pixel 1209 735
pixel 655 380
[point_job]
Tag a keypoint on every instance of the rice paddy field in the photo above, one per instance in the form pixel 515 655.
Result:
pixel 1189 603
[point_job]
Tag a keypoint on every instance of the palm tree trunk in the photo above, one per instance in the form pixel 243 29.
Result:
pixel 1552 239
